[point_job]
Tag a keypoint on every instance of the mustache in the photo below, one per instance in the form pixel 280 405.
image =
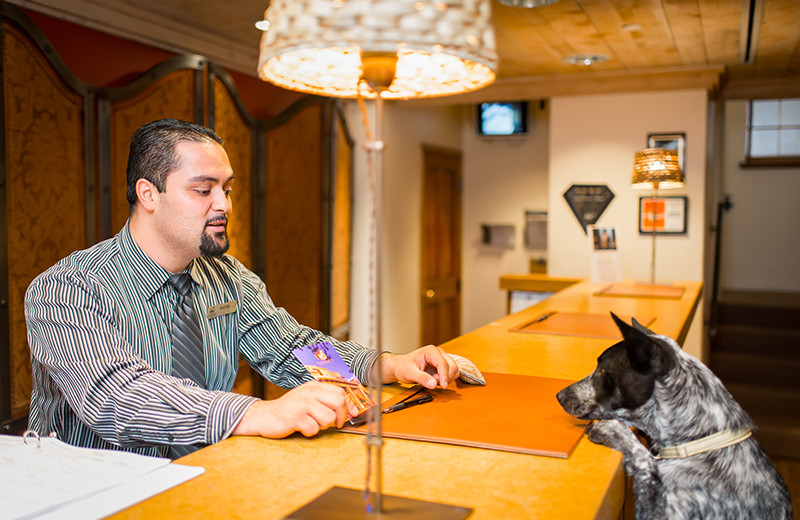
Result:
pixel 215 221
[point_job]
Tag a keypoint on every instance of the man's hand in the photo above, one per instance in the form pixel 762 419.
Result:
pixel 428 366
pixel 307 409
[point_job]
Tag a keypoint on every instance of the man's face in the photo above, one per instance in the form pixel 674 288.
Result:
pixel 193 210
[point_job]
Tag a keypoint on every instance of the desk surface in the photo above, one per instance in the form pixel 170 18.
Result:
pixel 249 477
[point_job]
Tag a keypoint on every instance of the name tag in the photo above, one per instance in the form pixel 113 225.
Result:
pixel 222 309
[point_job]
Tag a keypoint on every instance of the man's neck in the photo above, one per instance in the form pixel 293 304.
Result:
pixel 150 243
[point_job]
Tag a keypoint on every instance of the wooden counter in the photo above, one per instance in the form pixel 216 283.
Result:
pixel 263 478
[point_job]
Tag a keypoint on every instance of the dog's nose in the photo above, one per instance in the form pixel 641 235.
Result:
pixel 563 396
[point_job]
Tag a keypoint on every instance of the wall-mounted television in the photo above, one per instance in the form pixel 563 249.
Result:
pixel 502 118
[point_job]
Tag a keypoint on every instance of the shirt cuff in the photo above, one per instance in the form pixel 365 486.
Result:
pixel 227 409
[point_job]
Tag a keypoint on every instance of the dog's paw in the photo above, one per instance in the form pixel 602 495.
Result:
pixel 610 433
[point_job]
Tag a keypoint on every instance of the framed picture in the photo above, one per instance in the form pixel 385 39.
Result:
pixel 676 141
pixel 664 215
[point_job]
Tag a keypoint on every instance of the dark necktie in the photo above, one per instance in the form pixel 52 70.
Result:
pixel 187 340
pixel 187 345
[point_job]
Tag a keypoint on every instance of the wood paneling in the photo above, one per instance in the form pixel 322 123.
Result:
pixel 531 43
pixel 341 232
pixel 65 147
pixel 45 182
pixel 238 140
pixel 170 96
pixel 293 218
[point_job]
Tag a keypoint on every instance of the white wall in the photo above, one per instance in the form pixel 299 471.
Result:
pixel 592 141
pixel 574 140
pixel 406 130
pixel 503 177
pixel 760 246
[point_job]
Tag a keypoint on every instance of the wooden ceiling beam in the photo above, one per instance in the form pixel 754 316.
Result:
pixel 543 87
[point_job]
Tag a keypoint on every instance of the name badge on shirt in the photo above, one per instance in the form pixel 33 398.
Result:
pixel 222 309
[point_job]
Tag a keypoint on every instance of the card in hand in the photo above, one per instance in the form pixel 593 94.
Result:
pixel 326 365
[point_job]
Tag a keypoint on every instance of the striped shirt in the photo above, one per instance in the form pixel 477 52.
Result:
pixel 99 325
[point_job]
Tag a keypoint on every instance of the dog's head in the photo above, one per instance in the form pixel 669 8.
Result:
pixel 625 376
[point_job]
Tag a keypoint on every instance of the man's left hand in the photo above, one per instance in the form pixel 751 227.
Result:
pixel 429 366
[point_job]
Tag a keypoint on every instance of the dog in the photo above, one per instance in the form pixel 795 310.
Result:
pixel 702 461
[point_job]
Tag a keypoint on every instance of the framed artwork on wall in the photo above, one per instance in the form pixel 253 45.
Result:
pixel 664 215
pixel 672 141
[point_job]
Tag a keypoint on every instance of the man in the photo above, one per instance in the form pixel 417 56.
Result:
pixel 101 322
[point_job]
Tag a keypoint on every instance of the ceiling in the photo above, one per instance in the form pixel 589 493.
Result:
pixel 732 48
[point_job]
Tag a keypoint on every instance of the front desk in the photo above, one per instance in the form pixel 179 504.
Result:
pixel 248 477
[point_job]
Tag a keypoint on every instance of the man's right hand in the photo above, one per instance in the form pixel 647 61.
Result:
pixel 307 409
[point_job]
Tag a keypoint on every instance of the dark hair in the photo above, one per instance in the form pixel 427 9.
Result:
pixel 152 155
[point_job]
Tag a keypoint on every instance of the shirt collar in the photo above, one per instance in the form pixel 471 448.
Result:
pixel 151 276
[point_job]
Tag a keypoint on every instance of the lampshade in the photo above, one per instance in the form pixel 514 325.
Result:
pixel 409 48
pixel 655 168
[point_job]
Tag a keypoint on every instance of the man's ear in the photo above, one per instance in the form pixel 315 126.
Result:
pixel 147 193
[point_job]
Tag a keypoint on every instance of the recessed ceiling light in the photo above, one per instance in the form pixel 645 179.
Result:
pixel 585 59
pixel 631 27
pixel 262 25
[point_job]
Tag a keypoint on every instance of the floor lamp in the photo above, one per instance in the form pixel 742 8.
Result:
pixel 378 50
pixel 656 168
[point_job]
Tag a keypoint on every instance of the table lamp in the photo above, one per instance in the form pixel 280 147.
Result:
pixel 656 168
pixel 378 50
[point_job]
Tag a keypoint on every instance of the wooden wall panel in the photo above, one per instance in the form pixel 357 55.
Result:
pixel 171 96
pixel 66 146
pixel 293 216
pixel 45 173
pixel 238 137
pixel 341 232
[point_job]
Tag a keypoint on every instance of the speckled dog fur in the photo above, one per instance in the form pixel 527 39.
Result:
pixel 646 381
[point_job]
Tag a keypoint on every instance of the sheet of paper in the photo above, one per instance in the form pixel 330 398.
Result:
pixel 43 476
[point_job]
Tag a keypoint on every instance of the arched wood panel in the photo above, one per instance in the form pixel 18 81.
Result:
pixel 172 95
pixel 341 227
pixel 293 214
pixel 238 141
pixel 45 173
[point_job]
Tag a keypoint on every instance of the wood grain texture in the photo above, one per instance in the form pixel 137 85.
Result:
pixel 294 215
pixel 238 142
pixel 170 96
pixel 341 233
pixel 45 185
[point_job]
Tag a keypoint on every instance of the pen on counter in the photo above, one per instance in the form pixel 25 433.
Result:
pixel 406 404
pixel 543 317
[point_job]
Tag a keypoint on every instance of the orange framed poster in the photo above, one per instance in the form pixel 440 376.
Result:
pixel 663 215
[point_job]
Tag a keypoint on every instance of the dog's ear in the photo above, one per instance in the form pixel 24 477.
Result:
pixel 645 355
pixel 640 327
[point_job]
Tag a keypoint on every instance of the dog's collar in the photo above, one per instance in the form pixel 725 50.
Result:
pixel 714 441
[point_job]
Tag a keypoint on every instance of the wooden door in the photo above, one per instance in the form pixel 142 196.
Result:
pixel 441 245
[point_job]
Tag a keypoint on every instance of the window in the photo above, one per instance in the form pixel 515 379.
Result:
pixel 773 133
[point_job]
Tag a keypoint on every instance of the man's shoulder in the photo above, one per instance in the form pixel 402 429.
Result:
pixel 90 261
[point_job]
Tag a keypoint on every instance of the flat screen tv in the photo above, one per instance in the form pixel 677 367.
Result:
pixel 502 118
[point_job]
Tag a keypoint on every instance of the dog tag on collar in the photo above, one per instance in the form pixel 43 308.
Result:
pixel 222 309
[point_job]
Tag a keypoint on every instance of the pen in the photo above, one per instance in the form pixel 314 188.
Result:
pixel 543 316
pixel 405 404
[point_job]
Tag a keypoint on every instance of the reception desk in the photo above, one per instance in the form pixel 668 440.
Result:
pixel 249 477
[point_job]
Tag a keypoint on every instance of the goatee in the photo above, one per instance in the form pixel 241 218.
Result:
pixel 215 246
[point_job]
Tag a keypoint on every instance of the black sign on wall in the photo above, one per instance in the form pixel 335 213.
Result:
pixel 588 202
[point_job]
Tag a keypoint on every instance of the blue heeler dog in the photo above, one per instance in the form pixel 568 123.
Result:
pixel 702 462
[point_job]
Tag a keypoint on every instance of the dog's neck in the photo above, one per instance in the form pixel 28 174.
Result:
pixel 715 441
